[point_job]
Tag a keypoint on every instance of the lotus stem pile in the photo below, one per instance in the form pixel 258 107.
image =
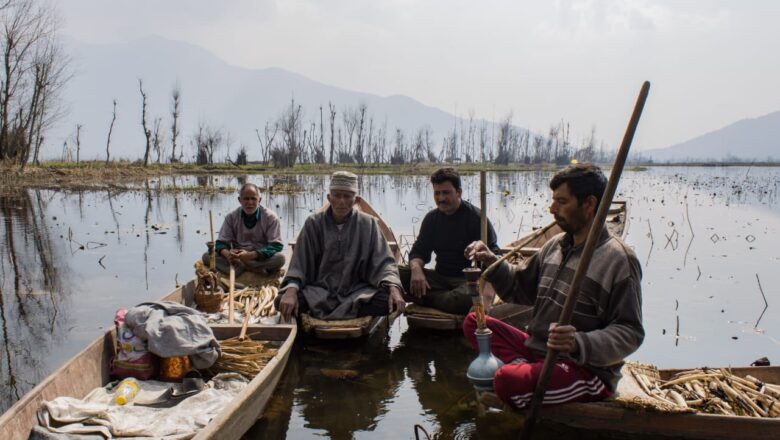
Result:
pixel 262 303
pixel 715 391
pixel 246 357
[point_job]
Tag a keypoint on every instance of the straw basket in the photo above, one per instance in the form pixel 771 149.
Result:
pixel 209 302
pixel 208 293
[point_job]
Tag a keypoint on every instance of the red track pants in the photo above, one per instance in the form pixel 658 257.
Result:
pixel 515 382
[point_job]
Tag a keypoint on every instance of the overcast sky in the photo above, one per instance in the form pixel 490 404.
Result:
pixel 711 63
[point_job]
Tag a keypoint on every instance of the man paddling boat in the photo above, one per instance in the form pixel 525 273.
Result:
pixel 607 322
pixel 342 267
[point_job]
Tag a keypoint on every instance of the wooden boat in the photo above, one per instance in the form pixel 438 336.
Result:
pixel 517 315
pixel 358 327
pixel 89 369
pixel 613 417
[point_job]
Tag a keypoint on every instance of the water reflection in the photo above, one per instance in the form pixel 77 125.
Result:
pixel 33 293
pixel 435 363
pixel 68 260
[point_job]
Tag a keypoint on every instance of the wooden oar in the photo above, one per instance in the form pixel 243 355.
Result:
pixel 231 291
pixel 213 252
pixel 587 254
pixel 483 229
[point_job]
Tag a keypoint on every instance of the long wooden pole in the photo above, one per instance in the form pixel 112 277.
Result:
pixel 483 230
pixel 479 308
pixel 587 254
pixel 231 292
pixel 213 252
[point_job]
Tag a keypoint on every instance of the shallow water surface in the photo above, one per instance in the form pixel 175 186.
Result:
pixel 707 238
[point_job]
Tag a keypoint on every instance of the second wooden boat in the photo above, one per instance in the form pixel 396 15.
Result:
pixel 614 417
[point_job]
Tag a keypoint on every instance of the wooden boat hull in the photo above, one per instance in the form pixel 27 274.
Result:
pixel 513 314
pixel 611 417
pixel 89 369
pixel 333 332
pixel 329 330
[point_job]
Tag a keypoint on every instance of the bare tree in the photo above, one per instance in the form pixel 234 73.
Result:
pixel 207 142
pixel 484 154
pixel 587 152
pixel 78 142
pixel 269 133
pixel 147 132
pixel 66 154
pixel 32 73
pixel 110 130
pixel 332 130
pixel 321 152
pixel 158 139
pixel 290 126
pixel 399 152
pixel 538 148
pixel 350 119
pixel 175 113
pixel 360 118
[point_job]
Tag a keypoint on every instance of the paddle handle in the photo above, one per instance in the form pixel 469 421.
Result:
pixel 213 252
pixel 483 229
pixel 231 291
pixel 587 255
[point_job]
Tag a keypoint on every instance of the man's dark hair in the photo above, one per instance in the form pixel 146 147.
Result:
pixel 446 175
pixel 584 179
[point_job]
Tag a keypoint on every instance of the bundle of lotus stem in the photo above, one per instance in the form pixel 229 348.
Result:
pixel 715 391
pixel 258 302
pixel 263 300
pixel 246 357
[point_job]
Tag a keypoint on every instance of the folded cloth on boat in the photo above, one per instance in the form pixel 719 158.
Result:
pixel 95 414
pixel 173 329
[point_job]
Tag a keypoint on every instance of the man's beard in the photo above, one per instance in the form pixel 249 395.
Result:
pixel 573 224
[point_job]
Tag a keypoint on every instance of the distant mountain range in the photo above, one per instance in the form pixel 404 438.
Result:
pixel 240 101
pixel 235 99
pixel 747 140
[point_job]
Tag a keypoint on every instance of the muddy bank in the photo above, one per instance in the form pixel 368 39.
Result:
pixel 129 176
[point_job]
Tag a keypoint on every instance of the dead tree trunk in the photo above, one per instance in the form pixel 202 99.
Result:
pixel 78 143
pixel 175 113
pixel 332 130
pixel 147 132
pixel 110 129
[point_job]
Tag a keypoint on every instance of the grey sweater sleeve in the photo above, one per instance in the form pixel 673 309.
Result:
pixel 517 283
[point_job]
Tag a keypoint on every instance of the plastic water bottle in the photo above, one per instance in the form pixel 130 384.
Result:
pixel 126 391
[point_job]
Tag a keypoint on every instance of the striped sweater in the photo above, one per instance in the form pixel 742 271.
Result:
pixel 608 313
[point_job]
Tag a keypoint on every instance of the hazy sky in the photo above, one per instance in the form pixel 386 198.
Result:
pixel 710 62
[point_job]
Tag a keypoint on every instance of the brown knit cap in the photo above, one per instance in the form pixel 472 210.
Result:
pixel 344 181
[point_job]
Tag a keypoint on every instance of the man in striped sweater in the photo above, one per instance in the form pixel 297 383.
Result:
pixel 607 322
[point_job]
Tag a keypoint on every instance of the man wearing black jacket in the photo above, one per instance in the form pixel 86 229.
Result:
pixel 446 230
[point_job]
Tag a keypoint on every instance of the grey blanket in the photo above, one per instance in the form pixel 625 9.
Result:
pixel 172 329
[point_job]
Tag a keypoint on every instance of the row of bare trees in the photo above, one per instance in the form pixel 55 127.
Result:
pixel 33 72
pixel 356 137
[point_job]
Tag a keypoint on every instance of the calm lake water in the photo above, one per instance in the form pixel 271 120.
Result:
pixel 708 240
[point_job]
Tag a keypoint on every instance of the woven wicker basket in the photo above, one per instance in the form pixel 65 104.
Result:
pixel 209 302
